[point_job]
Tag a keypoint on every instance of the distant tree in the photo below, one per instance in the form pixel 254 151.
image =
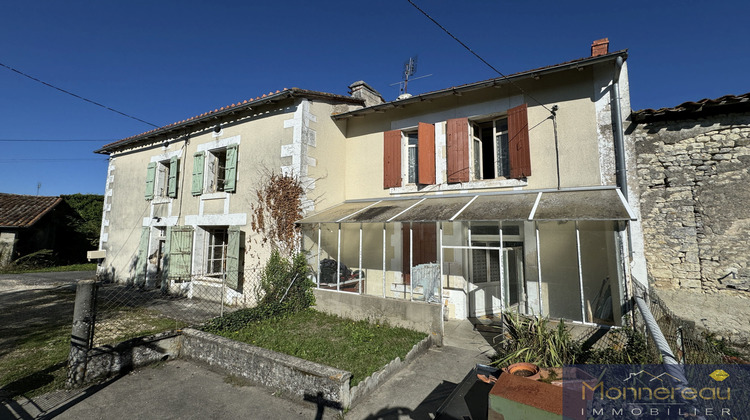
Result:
pixel 87 220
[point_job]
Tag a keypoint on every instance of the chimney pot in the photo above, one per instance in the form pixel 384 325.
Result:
pixel 600 47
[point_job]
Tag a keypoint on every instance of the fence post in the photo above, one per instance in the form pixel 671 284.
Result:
pixel 680 346
pixel 83 329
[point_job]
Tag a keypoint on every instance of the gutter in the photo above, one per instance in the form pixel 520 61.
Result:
pixel 496 82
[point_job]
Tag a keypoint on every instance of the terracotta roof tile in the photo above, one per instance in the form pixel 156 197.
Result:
pixel 692 109
pixel 22 211
pixel 289 91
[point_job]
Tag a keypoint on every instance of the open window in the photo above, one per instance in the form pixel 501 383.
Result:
pixel 215 170
pixel 488 148
pixel 489 144
pixel 161 179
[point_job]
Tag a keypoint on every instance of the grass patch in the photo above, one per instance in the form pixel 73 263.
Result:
pixel 38 363
pixel 73 267
pixel 355 346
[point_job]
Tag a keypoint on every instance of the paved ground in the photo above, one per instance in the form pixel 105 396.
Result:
pixel 185 390
pixel 28 281
pixel 35 300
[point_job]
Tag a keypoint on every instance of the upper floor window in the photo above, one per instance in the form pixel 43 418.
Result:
pixel 161 179
pixel 215 170
pixel 412 147
pixel 416 149
pixel 490 149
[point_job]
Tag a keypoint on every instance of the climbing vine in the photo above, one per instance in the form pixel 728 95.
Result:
pixel 278 206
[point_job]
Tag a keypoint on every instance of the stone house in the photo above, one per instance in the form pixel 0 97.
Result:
pixel 514 193
pixel 27 224
pixel 693 173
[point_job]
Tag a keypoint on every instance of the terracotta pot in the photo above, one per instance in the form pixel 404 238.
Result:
pixel 525 370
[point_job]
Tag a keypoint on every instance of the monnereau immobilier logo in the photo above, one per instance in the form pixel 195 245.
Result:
pixel 656 391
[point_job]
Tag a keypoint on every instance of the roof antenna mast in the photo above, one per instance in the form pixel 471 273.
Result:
pixel 409 70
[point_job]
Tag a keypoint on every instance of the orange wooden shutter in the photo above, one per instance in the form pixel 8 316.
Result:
pixel 426 153
pixel 392 159
pixel 458 150
pixel 518 142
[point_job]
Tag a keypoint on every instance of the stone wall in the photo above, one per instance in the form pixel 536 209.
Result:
pixel 695 202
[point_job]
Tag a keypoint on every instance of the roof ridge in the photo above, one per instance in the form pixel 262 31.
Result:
pixel 226 108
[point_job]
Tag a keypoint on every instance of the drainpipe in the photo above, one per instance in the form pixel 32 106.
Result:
pixel 620 171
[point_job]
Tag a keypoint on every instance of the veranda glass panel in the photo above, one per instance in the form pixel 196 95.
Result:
pixel 561 296
pixel 601 274
pixel 372 259
pixel 328 255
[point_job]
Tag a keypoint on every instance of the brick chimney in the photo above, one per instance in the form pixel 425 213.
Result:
pixel 362 90
pixel 600 47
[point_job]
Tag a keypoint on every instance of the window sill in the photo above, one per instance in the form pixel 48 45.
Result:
pixel 214 196
pixel 161 200
pixel 471 185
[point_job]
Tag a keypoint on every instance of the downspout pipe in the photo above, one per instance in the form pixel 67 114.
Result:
pixel 620 171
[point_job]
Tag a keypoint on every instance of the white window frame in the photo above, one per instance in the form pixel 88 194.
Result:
pixel 213 235
pixel 215 171
pixel 475 146
pixel 411 141
pixel 161 181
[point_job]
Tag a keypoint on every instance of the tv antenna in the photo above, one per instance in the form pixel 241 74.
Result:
pixel 410 69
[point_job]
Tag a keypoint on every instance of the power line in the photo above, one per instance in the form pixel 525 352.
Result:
pixel 13 160
pixel 76 96
pixel 55 140
pixel 477 55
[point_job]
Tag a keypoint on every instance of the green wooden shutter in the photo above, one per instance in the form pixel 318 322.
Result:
pixel 173 170
pixel 230 173
pixel 234 245
pixel 198 160
pixel 180 253
pixel 142 262
pixel 165 262
pixel 150 178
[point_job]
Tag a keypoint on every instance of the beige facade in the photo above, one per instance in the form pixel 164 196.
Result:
pixel 494 196
pixel 291 134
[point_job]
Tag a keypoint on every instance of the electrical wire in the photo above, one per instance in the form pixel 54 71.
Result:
pixel 477 55
pixel 13 160
pixel 76 96
pixel 53 141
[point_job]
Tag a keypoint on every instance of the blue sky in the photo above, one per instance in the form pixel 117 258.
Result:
pixel 164 61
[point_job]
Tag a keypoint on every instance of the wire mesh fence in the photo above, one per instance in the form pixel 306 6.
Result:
pixel 689 344
pixel 129 310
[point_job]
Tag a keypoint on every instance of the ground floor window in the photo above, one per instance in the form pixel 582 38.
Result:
pixel 217 239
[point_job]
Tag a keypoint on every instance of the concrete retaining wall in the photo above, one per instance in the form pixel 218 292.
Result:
pixel 417 316
pixel 108 361
pixel 304 379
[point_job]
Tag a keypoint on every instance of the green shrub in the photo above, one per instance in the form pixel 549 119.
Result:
pixel 284 289
pixel 533 340
pixel 286 283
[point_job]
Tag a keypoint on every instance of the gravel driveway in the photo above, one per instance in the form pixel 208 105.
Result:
pixel 33 300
